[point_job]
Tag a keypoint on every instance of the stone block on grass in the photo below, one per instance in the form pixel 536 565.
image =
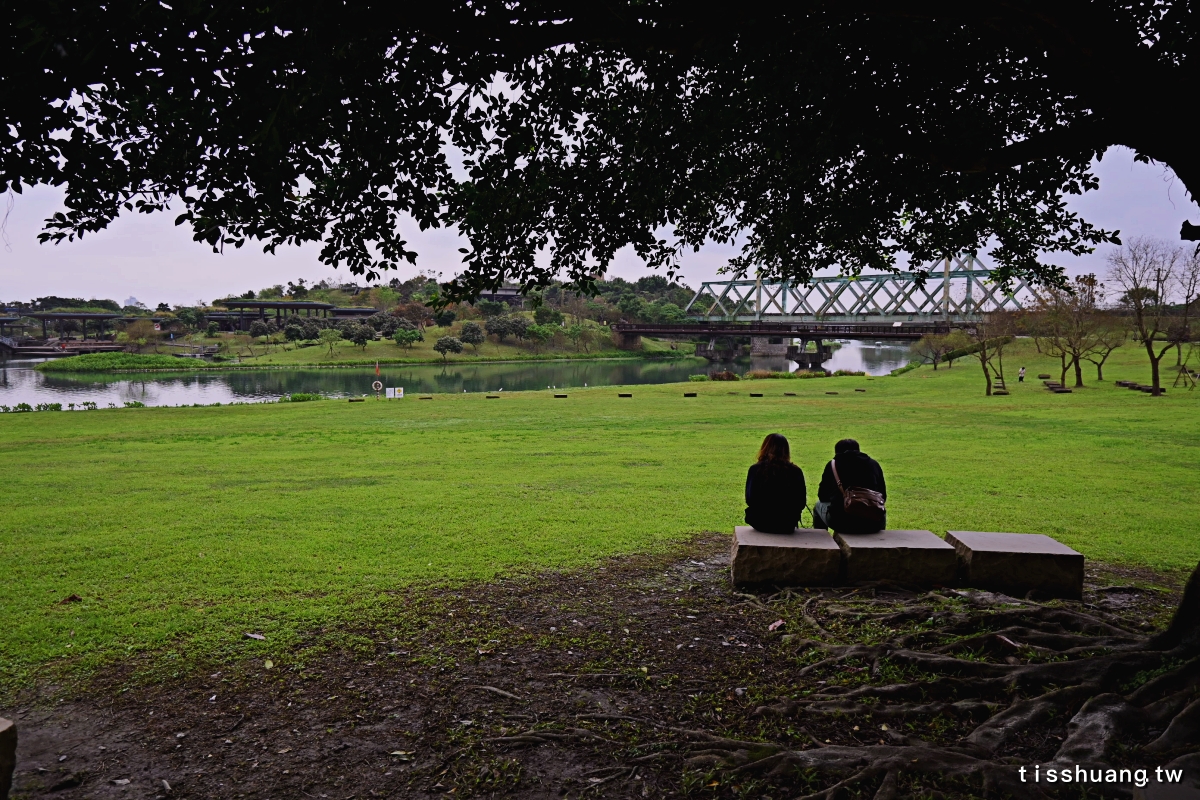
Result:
pixel 804 557
pixel 1018 563
pixel 912 557
pixel 8 755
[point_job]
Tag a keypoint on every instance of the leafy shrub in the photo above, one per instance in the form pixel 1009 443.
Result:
pixel 293 333
pixel 697 378
pixel 134 404
pixel 48 407
pixel 723 376
pixel 760 374
pixel 499 326
pixel 544 315
pixel 213 329
pixel 407 337
pixel 908 368
pixel 258 329
pixel 361 335
pixel 301 397
pixel 444 318
pixel 492 308
pixel 472 334
pixel 105 362
pixel 849 373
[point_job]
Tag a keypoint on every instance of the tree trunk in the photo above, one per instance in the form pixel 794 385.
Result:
pixel 1078 374
pixel 1099 370
pixel 987 377
pixel 1062 378
pixel 1154 382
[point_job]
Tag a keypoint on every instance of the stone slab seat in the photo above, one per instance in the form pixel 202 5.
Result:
pixel 8 755
pixel 913 557
pixel 804 557
pixel 1018 563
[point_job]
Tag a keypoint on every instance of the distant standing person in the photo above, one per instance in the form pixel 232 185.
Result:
pixel 775 491
pixel 855 470
pixel 1021 375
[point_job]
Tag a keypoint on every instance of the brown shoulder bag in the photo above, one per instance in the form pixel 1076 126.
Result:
pixel 861 504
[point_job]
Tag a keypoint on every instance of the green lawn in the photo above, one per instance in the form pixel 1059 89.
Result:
pixel 182 529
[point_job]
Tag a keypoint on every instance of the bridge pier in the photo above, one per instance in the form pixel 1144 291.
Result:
pixel 807 360
pixel 768 346
pixel 627 341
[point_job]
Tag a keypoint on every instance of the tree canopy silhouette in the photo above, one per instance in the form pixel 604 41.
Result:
pixel 810 134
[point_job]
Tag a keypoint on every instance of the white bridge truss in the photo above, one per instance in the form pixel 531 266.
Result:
pixel 963 292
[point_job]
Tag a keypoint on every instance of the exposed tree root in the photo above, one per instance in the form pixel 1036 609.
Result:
pixel 1114 686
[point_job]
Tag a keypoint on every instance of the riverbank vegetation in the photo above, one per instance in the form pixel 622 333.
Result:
pixel 188 527
pixel 114 362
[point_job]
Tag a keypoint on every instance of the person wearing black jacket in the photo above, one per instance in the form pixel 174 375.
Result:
pixel 775 491
pixel 857 471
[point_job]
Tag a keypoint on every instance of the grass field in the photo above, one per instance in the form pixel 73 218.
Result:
pixel 182 529
pixel 346 352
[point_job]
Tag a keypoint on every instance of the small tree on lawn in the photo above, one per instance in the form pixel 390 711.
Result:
pixel 361 335
pixel 444 318
pixel 575 333
pixel 293 333
pixel 472 334
pixel 406 337
pixel 258 329
pixel 958 342
pixel 212 330
pixel 519 326
pixel 499 326
pixel 447 345
pixel 931 349
pixel 330 337
pixel 539 335
pixel 1111 333
pixel 588 338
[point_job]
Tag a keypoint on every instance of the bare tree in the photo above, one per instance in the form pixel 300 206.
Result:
pixel 1070 325
pixel 988 337
pixel 1146 269
pixel 1111 333
pixel 1049 328
pixel 1188 287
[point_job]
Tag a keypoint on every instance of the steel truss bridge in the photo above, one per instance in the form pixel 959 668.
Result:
pixel 963 293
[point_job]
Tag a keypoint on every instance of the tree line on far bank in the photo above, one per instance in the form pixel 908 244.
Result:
pixel 1150 298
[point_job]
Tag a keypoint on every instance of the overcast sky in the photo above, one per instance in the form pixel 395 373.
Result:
pixel 147 257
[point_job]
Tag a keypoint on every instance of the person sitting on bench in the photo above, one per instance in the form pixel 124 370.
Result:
pixel 775 492
pixel 853 469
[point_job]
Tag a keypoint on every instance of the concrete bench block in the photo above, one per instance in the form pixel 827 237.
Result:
pixel 1017 563
pixel 8 755
pixel 805 557
pixel 917 557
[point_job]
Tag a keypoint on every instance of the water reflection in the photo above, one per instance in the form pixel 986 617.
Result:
pixel 20 383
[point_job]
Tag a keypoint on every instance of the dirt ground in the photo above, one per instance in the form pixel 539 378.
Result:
pixel 565 685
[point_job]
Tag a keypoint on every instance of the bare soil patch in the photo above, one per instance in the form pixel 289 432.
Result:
pixel 648 676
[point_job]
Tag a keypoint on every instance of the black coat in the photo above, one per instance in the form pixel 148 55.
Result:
pixel 775 496
pixel 857 471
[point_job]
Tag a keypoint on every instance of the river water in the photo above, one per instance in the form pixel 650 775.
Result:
pixel 21 383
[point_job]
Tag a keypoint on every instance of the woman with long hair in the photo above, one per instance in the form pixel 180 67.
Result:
pixel 775 493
